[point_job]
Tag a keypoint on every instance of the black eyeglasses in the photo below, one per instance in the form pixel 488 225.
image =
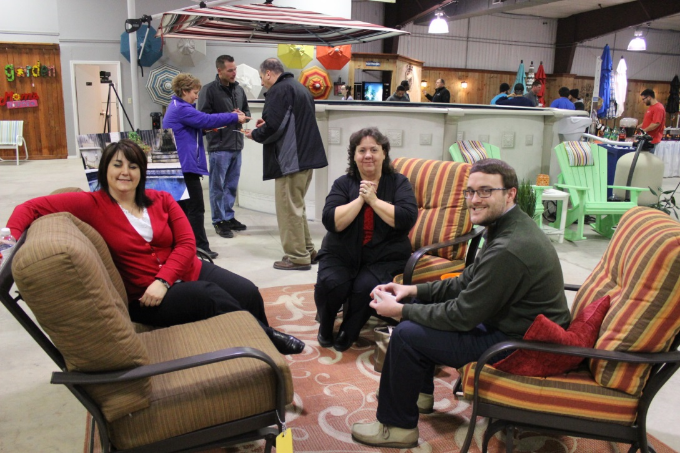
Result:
pixel 482 193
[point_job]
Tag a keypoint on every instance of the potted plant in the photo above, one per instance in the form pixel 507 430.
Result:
pixel 665 201
pixel 526 198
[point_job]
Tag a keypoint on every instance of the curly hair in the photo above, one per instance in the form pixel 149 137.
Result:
pixel 185 82
pixel 355 140
pixel 135 155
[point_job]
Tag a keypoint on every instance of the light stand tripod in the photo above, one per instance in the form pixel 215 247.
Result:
pixel 104 78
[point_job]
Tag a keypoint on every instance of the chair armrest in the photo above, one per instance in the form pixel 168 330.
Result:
pixel 410 267
pixel 570 287
pixel 637 189
pixel 568 186
pixel 80 378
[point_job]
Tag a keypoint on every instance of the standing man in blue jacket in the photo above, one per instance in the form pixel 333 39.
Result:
pixel 187 124
pixel 224 145
pixel 292 150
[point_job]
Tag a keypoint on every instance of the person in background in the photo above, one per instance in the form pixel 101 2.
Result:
pixel 532 95
pixel 399 95
pixel 578 102
pixel 407 86
pixel 368 215
pixel 563 101
pixel 224 94
pixel 346 93
pixel 514 278
pixel 153 248
pixel 503 92
pixel 187 124
pixel 441 94
pixel 292 149
pixel 654 120
pixel 517 98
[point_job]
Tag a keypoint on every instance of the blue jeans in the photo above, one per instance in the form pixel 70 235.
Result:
pixel 225 171
pixel 413 352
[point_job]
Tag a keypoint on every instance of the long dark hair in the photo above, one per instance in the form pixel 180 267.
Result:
pixel 355 140
pixel 135 155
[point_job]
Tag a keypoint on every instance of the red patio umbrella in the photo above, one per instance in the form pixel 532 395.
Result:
pixel 317 82
pixel 540 77
pixel 334 57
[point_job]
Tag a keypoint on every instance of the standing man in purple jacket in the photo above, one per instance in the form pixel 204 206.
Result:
pixel 187 124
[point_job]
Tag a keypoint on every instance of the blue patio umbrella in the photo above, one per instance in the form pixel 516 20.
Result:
pixel 153 47
pixel 605 82
pixel 521 76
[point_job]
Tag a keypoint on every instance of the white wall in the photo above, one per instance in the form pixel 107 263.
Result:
pixel 20 23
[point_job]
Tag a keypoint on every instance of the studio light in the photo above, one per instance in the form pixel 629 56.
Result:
pixel 438 24
pixel 638 42
pixel 132 25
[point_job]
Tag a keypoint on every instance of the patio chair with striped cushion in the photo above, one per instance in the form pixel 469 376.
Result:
pixel 635 354
pixel 12 137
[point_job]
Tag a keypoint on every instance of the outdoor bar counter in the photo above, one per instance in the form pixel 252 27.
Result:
pixel 524 135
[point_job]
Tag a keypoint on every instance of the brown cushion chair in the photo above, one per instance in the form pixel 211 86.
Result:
pixel 634 355
pixel 198 385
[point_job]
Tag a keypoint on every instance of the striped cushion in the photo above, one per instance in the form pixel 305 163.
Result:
pixel 640 271
pixel 431 268
pixel 442 213
pixel 66 281
pixel 579 154
pixel 9 130
pixel 472 151
pixel 575 394
pixel 197 398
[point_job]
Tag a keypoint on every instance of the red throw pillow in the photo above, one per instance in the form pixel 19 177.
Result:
pixel 583 331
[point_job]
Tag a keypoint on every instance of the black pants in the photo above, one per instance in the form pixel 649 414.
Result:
pixel 413 352
pixel 216 291
pixel 194 208
pixel 334 287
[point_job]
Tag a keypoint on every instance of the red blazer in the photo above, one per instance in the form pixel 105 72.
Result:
pixel 171 254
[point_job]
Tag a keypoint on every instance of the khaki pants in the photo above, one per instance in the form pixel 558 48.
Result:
pixel 291 215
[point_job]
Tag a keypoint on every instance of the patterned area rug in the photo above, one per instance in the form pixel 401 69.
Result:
pixel 334 390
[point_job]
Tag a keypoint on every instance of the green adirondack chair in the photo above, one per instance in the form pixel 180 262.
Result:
pixel 470 151
pixel 584 176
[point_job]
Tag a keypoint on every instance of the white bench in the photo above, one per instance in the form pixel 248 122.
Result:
pixel 11 137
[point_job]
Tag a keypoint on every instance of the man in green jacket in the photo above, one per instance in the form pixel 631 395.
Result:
pixel 515 277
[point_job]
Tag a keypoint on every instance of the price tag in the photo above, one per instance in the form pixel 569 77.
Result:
pixel 284 442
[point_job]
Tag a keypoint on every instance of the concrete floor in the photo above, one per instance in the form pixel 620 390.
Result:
pixel 40 417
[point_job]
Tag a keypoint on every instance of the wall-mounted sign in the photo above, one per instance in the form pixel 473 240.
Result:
pixel 372 63
pixel 18 101
pixel 37 70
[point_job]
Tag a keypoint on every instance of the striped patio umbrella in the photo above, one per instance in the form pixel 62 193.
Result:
pixel 159 84
pixel 266 23
pixel 317 82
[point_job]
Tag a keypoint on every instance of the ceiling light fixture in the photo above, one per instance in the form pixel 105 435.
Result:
pixel 438 24
pixel 423 84
pixel 638 42
pixel 463 84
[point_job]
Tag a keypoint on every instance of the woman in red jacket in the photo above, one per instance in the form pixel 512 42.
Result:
pixel 153 248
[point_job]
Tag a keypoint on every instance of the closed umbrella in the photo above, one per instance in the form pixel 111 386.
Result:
pixel 605 82
pixel 521 76
pixel 249 79
pixel 149 48
pixel 674 98
pixel 295 56
pixel 317 82
pixel 334 57
pixel 185 52
pixel 159 84
pixel 540 76
pixel 621 86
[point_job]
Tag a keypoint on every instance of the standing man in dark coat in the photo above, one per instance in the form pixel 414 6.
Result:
pixel 224 146
pixel 441 94
pixel 292 150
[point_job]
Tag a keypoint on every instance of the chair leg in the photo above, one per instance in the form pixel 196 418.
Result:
pixel 269 441
pixel 470 433
pixel 509 438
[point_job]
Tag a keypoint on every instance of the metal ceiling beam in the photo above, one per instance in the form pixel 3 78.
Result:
pixel 593 24
pixel 463 9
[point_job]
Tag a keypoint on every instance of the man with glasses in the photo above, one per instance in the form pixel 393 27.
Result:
pixel 514 278
pixel 655 117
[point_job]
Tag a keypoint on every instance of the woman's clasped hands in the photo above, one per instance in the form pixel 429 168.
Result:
pixel 368 191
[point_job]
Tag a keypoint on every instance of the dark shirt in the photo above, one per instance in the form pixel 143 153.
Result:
pixel 520 101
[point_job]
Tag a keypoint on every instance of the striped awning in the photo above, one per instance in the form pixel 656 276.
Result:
pixel 266 23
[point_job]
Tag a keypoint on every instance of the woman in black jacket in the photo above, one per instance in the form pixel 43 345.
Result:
pixel 368 214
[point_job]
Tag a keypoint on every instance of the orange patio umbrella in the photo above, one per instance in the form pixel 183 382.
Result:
pixel 334 57
pixel 317 82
